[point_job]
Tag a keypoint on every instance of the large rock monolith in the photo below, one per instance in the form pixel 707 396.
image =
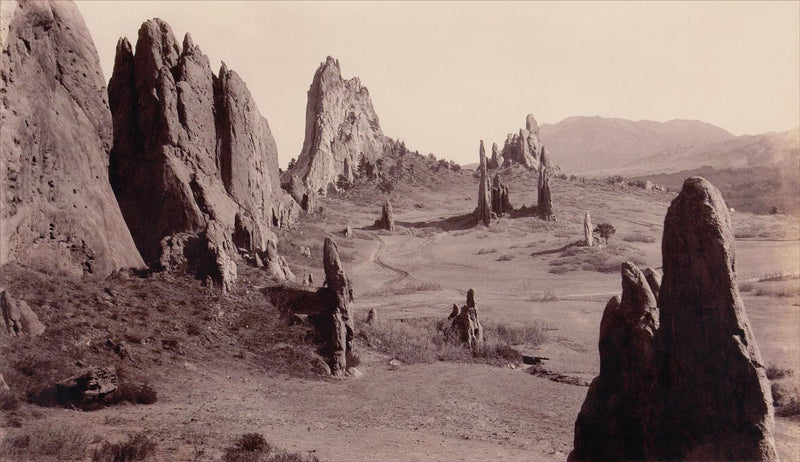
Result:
pixel 386 221
pixel 336 297
pixel 496 160
pixel 545 202
pixel 500 201
pixel 717 403
pixel 483 214
pixel 57 208
pixel 697 389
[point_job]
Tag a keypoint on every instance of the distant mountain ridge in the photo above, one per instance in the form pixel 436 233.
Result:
pixel 586 145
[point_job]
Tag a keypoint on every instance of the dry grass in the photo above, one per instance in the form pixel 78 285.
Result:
pixel 138 447
pixel 639 236
pixel 602 259
pixel 252 447
pixel 408 288
pixel 44 442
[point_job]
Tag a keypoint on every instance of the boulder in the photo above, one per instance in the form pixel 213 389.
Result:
pixel 89 386
pixel 588 230
pixel 57 208
pixel 336 297
pixel 466 326
pixel 614 422
pixel 17 318
pixel 709 355
pixel 545 206
pixel 341 126
pixel 386 221
pixel 483 214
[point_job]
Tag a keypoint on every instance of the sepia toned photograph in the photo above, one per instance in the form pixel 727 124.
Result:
pixel 399 231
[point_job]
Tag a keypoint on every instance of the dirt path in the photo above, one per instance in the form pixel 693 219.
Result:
pixel 400 274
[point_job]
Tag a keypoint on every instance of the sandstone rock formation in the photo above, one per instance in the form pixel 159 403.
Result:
pixel 483 214
pixel 691 386
pixel 718 404
pixel 496 160
pixel 524 148
pixel 614 424
pixel 386 221
pixel 17 318
pixel 91 385
pixel 341 125
pixel 372 316
pixel 192 155
pixel 466 326
pixel 545 205
pixel 500 201
pixel 57 209
pixel 588 230
pixel 276 265
pixel 654 280
pixel 336 297
pixel 348 232
pixel 300 193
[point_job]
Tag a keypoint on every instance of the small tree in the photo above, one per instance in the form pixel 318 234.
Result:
pixel 604 230
pixel 292 163
pixel 343 183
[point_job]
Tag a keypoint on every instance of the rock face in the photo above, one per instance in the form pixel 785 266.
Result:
pixel 466 326
pixel 500 201
pixel 386 221
pixel 691 386
pixel 192 155
pixel 545 205
pixel 614 424
pixel 17 318
pixel 57 209
pixel 710 357
pixel 588 235
pixel 341 126
pixel 336 297
pixel 483 214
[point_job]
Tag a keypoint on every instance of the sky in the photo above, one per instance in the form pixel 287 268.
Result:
pixel 443 75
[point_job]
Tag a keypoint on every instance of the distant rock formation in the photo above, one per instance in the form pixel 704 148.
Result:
pixel 191 153
pixel 483 214
pixel 710 398
pixel 588 234
pixel 300 193
pixel 17 318
pixel 386 221
pixel 496 161
pixel 545 205
pixel 524 148
pixel 336 297
pixel 57 209
pixel 466 326
pixel 341 126
pixel 500 201
pixel 348 232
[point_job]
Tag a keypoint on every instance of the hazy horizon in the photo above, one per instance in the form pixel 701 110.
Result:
pixel 444 75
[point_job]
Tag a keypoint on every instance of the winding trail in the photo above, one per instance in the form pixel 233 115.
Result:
pixel 400 274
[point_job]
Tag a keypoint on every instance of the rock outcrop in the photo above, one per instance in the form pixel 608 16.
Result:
pixel 341 126
pixel 691 386
pixel 496 161
pixel 545 201
pixel 466 326
pixel 192 155
pixel 483 214
pixel 276 265
pixel 89 386
pixel 17 318
pixel 524 148
pixel 614 422
pixel 654 280
pixel 588 230
pixel 386 221
pixel 717 399
pixel 57 209
pixel 500 201
pixel 336 297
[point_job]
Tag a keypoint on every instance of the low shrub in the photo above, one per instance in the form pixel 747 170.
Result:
pixel 409 288
pixel 44 441
pixel 252 447
pixel 138 447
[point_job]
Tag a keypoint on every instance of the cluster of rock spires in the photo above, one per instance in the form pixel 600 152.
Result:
pixel 524 148
pixel 194 164
pixel 465 326
pixel 341 126
pixel 57 208
pixel 681 377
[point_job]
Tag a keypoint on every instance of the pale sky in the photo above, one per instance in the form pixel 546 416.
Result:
pixel 443 75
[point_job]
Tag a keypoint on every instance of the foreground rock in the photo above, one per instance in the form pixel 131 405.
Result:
pixel 17 318
pixel 386 221
pixel 336 297
pixel 57 209
pixel 466 326
pixel 710 399
pixel 91 385
pixel 483 213
pixel 193 159
pixel 341 126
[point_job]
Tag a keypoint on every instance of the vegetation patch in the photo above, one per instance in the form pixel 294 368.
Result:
pixel 601 258
pixel 252 447
pixel 407 289
pixel 44 441
pixel 138 447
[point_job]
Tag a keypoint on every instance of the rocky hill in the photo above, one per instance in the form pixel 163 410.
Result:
pixel 57 209
pixel 194 165
pixel 341 127
pixel 587 145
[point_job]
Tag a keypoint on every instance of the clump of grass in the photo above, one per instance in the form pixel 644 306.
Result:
pixel 505 257
pixel 252 447
pixel 8 401
pixel 602 259
pixel 639 236
pixel 529 333
pixel 485 251
pixel 47 441
pixel 774 372
pixel 134 394
pixel 746 286
pixel 782 276
pixel 138 447
pixel 409 288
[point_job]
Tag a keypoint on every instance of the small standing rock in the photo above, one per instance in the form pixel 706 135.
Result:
pixel 372 316
pixel 588 236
